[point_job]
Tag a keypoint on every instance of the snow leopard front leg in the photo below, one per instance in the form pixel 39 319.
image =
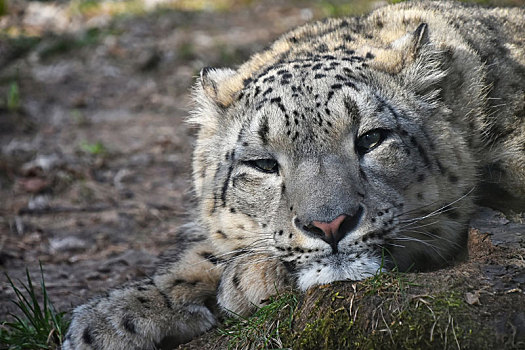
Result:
pixel 249 281
pixel 172 307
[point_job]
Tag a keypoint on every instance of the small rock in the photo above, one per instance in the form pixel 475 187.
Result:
pixel 123 175
pixel 42 163
pixel 66 244
pixel 38 203
pixel 472 298
pixel 19 225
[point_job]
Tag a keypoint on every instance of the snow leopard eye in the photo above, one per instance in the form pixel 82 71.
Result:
pixel 370 140
pixel 264 165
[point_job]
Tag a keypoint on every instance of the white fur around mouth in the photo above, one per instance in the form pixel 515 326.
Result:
pixel 337 268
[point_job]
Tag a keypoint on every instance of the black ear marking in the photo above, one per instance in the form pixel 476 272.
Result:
pixel 420 36
pixel 411 43
pixel 204 71
pixel 221 85
pixel 208 84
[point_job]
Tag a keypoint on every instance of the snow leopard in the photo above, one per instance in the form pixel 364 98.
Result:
pixel 348 146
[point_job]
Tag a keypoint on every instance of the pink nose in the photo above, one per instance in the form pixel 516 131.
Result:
pixel 330 229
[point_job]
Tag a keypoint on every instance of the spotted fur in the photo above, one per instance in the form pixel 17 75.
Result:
pixel 349 145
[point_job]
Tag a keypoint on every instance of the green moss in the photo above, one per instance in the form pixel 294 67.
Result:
pixel 265 328
pixel 423 322
pixel 394 320
pixel 386 311
pixel 333 331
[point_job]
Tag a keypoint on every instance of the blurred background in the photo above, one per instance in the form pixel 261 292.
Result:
pixel 94 150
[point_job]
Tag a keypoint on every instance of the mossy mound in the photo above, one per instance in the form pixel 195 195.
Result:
pixel 393 316
pixel 388 311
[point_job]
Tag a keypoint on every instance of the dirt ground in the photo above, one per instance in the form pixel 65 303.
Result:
pixel 95 152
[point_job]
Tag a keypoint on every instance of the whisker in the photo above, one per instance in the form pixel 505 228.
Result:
pixel 425 243
pixel 391 244
pixel 415 209
pixel 436 237
pixel 409 225
pixel 442 209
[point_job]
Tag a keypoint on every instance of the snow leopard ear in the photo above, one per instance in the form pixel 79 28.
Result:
pixel 215 89
pixel 220 85
pixel 401 51
pixel 411 43
pixel 415 59
pixel 425 65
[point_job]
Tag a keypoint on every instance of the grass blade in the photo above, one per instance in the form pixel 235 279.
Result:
pixel 39 326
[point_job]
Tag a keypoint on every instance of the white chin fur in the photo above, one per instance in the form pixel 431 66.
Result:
pixel 340 271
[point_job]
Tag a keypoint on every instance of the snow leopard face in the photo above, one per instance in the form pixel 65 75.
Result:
pixel 325 163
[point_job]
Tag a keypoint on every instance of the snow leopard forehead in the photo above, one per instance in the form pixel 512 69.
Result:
pixel 308 103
